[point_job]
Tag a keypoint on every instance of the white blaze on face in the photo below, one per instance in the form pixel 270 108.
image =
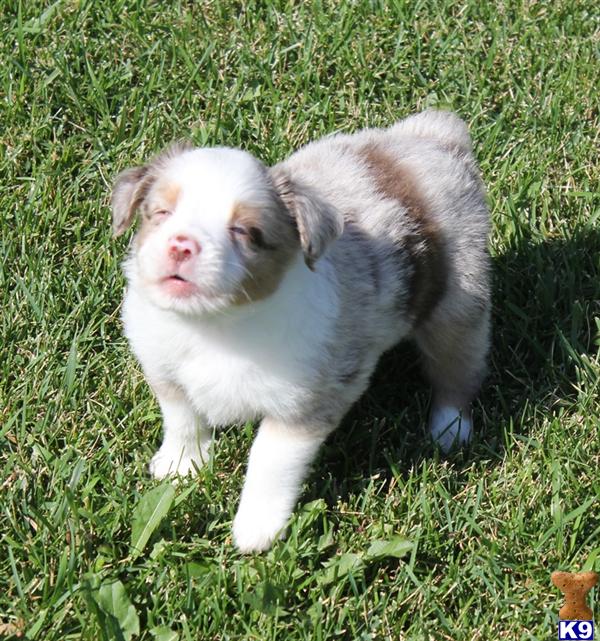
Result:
pixel 187 258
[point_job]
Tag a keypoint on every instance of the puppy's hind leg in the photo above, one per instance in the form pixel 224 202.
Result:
pixel 454 349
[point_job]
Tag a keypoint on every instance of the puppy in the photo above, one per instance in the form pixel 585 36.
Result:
pixel 270 293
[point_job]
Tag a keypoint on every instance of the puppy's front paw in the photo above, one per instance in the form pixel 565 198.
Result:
pixel 254 530
pixel 450 427
pixel 176 461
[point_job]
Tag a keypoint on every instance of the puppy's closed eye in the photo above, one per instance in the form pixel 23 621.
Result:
pixel 256 236
pixel 237 230
pixel 252 235
pixel 157 216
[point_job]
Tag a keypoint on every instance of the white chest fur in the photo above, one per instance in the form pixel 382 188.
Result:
pixel 255 360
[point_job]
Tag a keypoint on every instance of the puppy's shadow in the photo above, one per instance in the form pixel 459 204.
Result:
pixel 546 302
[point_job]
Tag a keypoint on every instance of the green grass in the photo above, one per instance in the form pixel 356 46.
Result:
pixel 88 88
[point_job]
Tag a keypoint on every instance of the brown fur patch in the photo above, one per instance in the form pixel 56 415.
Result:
pixel 168 193
pixel 268 247
pixel 250 218
pixel 425 246
pixel 155 195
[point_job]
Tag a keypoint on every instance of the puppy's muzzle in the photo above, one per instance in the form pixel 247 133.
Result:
pixel 182 248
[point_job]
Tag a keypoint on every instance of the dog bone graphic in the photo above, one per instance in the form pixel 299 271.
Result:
pixel 575 587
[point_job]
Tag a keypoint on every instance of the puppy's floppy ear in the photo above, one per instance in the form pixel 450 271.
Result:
pixel 318 223
pixel 126 197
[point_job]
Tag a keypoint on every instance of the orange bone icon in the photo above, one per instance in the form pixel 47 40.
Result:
pixel 575 588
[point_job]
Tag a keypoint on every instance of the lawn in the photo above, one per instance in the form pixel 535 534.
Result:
pixel 88 88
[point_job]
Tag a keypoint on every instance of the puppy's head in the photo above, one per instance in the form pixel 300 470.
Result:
pixel 217 227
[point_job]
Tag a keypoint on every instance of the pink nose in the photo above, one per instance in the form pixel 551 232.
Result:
pixel 182 248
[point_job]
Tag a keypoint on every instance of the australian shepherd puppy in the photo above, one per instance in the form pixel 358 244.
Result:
pixel 269 294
